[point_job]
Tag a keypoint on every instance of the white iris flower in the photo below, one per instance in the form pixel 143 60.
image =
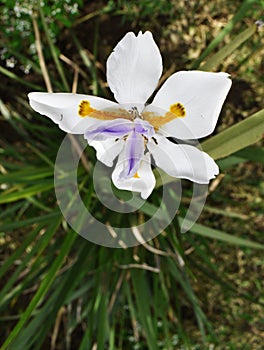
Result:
pixel 186 107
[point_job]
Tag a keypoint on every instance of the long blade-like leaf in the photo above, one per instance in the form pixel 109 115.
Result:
pixel 233 139
pixel 220 56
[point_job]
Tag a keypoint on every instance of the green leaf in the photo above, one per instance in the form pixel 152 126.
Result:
pixel 143 301
pixel 14 77
pixel 25 193
pixel 44 287
pixel 233 139
pixel 254 154
pixel 53 49
pixel 223 236
pixel 240 14
pixel 7 226
pixel 43 319
pixel 27 175
pixel 219 57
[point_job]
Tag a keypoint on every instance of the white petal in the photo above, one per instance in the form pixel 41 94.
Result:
pixel 183 161
pixel 108 150
pixel 63 108
pixel 134 68
pixel 144 183
pixel 202 94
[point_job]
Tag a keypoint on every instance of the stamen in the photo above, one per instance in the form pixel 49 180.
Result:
pixel 136 176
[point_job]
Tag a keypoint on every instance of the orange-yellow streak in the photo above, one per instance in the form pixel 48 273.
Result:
pixel 85 110
pixel 136 176
pixel 177 110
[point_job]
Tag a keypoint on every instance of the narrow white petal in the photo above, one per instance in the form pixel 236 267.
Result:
pixel 144 182
pixel 63 109
pixel 183 161
pixel 108 150
pixel 134 68
pixel 202 95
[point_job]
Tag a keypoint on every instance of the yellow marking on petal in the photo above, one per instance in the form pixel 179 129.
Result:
pixel 85 110
pixel 177 110
pixel 136 176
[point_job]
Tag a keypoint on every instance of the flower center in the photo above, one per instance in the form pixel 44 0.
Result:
pixel 143 128
pixel 135 113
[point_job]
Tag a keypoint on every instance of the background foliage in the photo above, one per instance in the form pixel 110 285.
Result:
pixel 200 290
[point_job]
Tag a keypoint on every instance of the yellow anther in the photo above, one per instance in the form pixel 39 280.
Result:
pixel 136 176
pixel 178 110
pixel 85 109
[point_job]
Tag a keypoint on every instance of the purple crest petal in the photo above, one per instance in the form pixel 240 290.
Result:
pixel 134 151
pixel 114 128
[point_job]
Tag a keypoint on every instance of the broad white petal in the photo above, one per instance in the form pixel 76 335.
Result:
pixel 63 109
pixel 143 182
pixel 182 161
pixel 134 68
pixel 202 95
pixel 108 150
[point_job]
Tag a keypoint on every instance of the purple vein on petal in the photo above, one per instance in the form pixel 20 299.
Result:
pixel 134 151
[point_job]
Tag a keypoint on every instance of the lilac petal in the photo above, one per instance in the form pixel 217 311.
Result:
pixel 114 128
pixel 134 151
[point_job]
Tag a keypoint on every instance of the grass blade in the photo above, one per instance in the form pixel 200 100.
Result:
pixel 143 299
pixel 220 56
pixel 44 287
pixel 238 136
pixel 53 49
pixel 240 14
pixel 223 236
